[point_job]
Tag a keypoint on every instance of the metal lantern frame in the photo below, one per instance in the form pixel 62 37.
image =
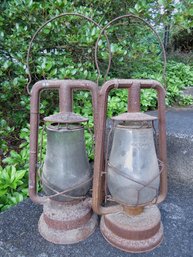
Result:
pixel 134 87
pixel 100 105
pixel 129 228
pixel 65 88
pixel 61 222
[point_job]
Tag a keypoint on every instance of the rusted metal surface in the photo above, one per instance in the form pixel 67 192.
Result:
pixel 134 116
pixel 66 215
pixel 133 211
pixel 66 222
pixel 134 98
pixel 65 100
pixel 99 165
pixel 138 233
pixel 59 225
pixel 65 117
pixel 34 120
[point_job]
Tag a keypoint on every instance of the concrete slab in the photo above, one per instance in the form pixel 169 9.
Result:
pixel 179 129
pixel 180 121
pixel 180 144
pixel 19 236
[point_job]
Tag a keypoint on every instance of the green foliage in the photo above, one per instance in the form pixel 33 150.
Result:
pixel 179 76
pixel 11 186
pixel 5 135
pixel 14 172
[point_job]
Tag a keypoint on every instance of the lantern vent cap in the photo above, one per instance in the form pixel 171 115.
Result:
pixel 134 116
pixel 65 117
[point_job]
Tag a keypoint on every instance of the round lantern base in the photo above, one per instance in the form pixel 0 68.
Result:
pixel 135 234
pixel 66 222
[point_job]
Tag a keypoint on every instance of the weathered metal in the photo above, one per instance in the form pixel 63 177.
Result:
pixel 34 121
pixel 118 223
pixel 138 233
pixel 99 165
pixel 134 116
pixel 103 30
pixel 65 117
pixel 67 223
pixel 69 219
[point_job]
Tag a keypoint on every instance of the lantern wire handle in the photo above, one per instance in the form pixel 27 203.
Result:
pixel 64 192
pixel 104 29
pixel 118 171
pixel 42 26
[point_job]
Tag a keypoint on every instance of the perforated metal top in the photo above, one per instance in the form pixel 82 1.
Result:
pixel 67 117
pixel 134 116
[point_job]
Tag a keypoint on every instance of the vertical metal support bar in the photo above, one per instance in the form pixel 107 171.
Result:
pixel 162 143
pixel 34 124
pixel 65 99
pixel 99 164
pixel 134 98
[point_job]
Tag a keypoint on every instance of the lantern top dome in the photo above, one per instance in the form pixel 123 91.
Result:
pixel 65 117
pixel 134 116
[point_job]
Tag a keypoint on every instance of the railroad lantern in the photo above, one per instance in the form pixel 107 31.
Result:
pixel 135 177
pixel 66 177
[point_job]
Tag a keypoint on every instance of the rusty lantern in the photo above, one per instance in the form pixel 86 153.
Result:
pixel 66 177
pixel 133 175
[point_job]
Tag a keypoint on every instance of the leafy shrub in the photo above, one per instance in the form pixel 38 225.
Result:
pixel 14 174
pixel 12 187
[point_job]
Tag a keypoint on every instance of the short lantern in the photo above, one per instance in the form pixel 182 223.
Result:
pixel 66 177
pixel 135 177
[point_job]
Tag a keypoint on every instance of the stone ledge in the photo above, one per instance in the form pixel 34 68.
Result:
pixel 19 236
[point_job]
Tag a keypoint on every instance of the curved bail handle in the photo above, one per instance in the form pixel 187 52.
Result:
pixel 104 30
pixel 50 20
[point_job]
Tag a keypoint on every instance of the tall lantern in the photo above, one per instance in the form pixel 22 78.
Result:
pixel 66 177
pixel 135 177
